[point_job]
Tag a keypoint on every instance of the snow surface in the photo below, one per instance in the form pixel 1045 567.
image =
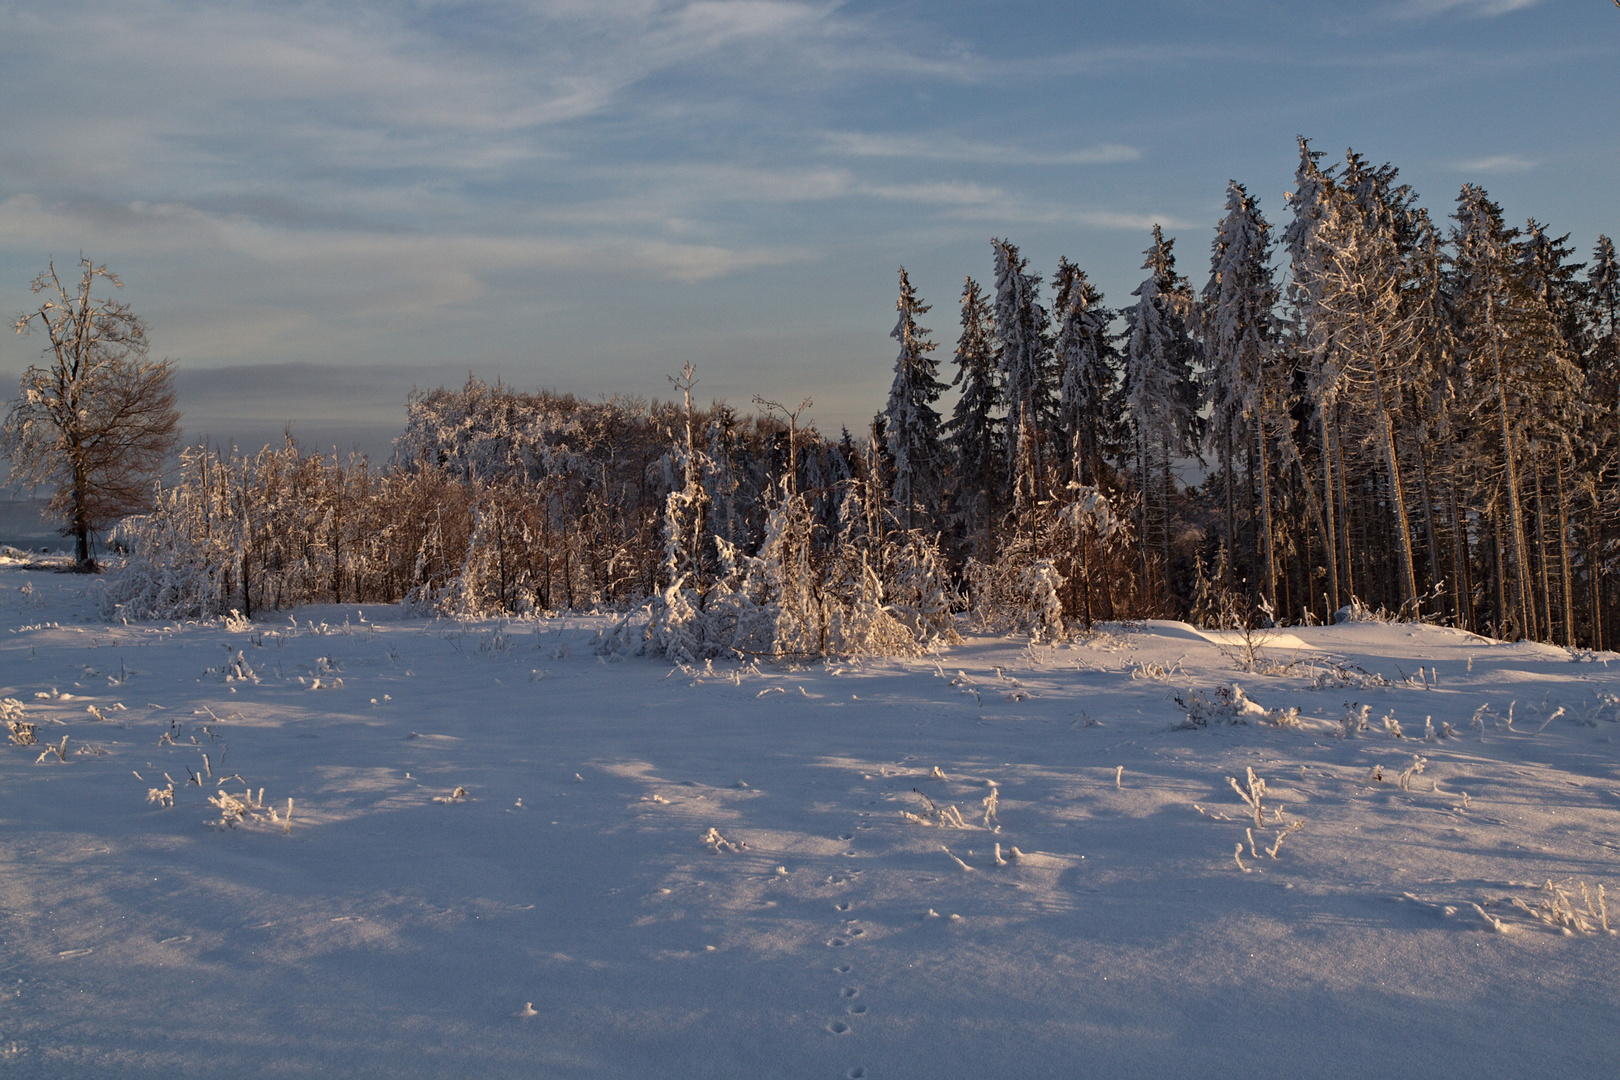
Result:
pixel 656 871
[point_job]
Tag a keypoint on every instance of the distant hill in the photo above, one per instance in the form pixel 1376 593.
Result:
pixel 21 525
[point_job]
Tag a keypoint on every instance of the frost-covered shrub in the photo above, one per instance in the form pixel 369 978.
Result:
pixel 1230 705
pixel 1357 612
pixel 1073 563
pixel 802 594
pixel 250 532
pixel 1015 594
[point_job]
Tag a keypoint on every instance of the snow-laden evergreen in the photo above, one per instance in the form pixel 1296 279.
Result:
pixel 976 432
pixel 1161 391
pixel 1242 386
pixel 1024 356
pixel 912 424
pixel 1088 365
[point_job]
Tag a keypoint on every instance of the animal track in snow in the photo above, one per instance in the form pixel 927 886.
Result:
pixel 850 992
pixel 838 1027
pixel 856 1010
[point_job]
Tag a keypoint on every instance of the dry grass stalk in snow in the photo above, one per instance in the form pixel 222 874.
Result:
pixel 59 751
pixel 1271 851
pixel 1414 769
pixel 163 796
pixel 234 810
pixel 1556 909
pixel 947 816
pixel 1253 796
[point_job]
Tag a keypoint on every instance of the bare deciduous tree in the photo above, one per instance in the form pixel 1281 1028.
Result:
pixel 95 421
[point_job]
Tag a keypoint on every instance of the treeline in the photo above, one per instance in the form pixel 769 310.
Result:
pixel 1411 414
pixel 496 501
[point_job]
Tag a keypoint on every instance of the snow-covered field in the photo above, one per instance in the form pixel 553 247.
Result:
pixel 792 870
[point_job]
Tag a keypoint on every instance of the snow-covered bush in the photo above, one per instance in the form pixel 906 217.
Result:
pixel 809 591
pixel 1016 594
pixel 793 600
pixel 1231 705
pixel 1073 563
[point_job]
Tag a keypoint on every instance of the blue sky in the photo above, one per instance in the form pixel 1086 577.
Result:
pixel 336 201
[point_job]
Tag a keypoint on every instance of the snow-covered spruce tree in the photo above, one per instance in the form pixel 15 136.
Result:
pixel 1088 365
pixel 1600 482
pixel 1484 272
pixel 1358 239
pixel 1161 391
pixel 1241 388
pixel 1024 356
pixel 1549 275
pixel 1603 311
pixel 1362 311
pixel 1310 202
pixel 912 426
pixel 975 433
pixel 1553 330
pixel 1434 388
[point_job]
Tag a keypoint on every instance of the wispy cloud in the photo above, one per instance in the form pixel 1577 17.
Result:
pixel 1500 163
pixel 944 192
pixel 339 285
pixel 179 88
pixel 1476 7
pixel 951 148
pixel 1018 212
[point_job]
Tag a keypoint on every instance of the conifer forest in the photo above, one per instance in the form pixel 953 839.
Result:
pixel 1365 404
